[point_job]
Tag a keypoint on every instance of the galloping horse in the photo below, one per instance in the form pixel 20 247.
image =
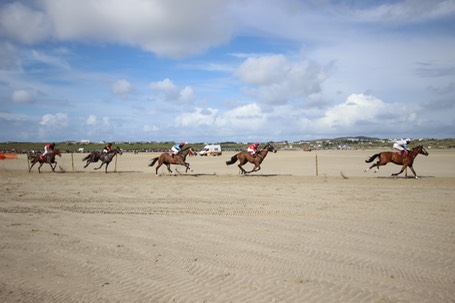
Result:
pixel 49 158
pixel 245 157
pixel 395 157
pixel 168 159
pixel 105 158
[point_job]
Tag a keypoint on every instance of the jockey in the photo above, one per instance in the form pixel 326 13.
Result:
pixel 107 148
pixel 177 148
pixel 47 149
pixel 402 146
pixel 252 148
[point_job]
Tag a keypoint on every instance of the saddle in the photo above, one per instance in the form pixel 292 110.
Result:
pixel 404 153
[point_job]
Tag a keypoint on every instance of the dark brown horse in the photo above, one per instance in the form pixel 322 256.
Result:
pixel 49 158
pixel 105 158
pixel 168 159
pixel 244 157
pixel 395 157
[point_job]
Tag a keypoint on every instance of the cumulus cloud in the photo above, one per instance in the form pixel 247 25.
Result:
pixel 91 120
pixel 171 92
pixel 122 87
pixel 275 79
pixel 55 120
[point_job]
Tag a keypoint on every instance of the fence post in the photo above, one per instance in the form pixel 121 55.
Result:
pixel 317 170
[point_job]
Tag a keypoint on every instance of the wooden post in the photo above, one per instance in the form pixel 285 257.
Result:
pixel 72 161
pixel 28 161
pixel 115 167
pixel 317 171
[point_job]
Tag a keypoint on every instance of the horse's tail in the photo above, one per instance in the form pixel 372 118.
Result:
pixel 232 161
pixel 153 161
pixel 372 158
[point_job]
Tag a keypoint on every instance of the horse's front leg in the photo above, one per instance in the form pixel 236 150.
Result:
pixel 39 167
pixel 96 168
pixel 402 170
pixel 30 169
pixel 187 165
pixel 105 168
pixel 255 168
pixel 414 172
pixel 53 167
pixel 88 162
pixel 242 171
pixel 169 168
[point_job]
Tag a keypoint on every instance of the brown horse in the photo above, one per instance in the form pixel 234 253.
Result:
pixel 168 159
pixel 244 157
pixel 105 158
pixel 395 157
pixel 49 158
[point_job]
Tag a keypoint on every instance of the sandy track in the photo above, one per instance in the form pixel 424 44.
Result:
pixel 283 235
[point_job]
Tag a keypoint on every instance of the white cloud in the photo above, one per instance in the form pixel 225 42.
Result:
pixel 274 79
pixel 55 61
pixel 55 120
pixel 91 120
pixel 168 28
pixel 23 24
pixel 406 11
pixel 263 70
pixel 21 96
pixel 199 117
pixel 361 113
pixel 122 87
pixel 171 91
pixel 186 94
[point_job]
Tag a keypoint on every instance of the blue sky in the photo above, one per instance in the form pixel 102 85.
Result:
pixel 226 70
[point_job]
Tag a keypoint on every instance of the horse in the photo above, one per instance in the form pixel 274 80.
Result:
pixel 168 159
pixel 244 157
pixel 395 157
pixel 105 158
pixel 48 158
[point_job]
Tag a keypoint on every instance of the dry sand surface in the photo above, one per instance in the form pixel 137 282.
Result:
pixel 280 235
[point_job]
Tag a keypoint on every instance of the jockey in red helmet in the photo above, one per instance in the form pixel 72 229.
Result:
pixel 252 148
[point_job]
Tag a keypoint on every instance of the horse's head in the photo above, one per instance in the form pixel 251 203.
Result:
pixel 192 152
pixel 119 150
pixel 56 152
pixel 270 148
pixel 421 150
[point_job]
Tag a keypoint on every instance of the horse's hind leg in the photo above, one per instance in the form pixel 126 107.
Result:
pixel 53 167
pixel 377 164
pixel 105 168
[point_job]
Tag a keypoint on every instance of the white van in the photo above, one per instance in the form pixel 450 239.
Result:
pixel 212 149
